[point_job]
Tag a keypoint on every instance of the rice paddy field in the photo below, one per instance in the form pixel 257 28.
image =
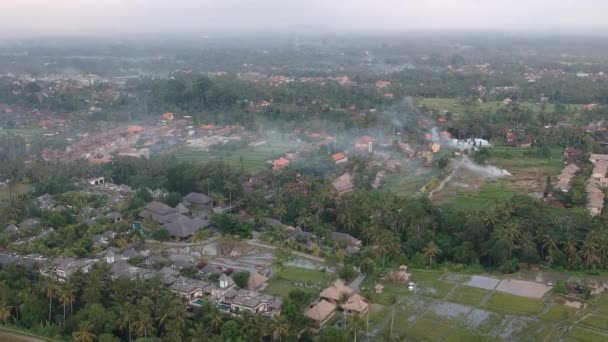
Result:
pixel 457 307
pixel 251 158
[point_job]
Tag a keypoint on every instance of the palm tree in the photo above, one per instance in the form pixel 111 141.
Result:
pixel 280 328
pixel 127 315
pixel 570 249
pixel 66 297
pixel 280 210
pixel 431 251
pixel 230 187
pixel 589 250
pixel 5 312
pixel 198 334
pixel 216 321
pixel 84 333
pixel 50 293
pixel 144 324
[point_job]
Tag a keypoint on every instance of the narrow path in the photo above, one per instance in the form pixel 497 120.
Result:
pixel 449 177
pixel 256 243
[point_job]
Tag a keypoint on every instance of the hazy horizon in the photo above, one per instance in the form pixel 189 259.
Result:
pixel 32 18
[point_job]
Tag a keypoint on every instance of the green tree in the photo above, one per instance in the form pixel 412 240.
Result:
pixel 241 278
pixel 84 332
pixel 431 250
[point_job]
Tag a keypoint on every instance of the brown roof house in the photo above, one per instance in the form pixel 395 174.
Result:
pixel 337 290
pixel 343 184
pixel 565 177
pixel 256 281
pixel 321 312
pixel 355 306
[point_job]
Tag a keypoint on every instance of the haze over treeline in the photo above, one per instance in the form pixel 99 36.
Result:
pixel 111 17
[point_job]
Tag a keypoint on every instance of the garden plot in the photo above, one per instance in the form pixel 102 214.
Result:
pixel 434 288
pixel 586 335
pixel 523 288
pixel 596 322
pixel 408 311
pixel 526 329
pixel 482 282
pixel 482 321
pixel 457 278
pixel 448 313
pixel 468 295
pixel 428 330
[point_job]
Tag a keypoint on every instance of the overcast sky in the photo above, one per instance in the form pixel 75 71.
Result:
pixel 82 17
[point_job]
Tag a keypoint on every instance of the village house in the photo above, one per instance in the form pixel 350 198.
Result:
pixel 336 291
pixel 183 227
pixel 103 238
pixel 364 144
pixel 114 217
pixel 344 239
pixel 339 158
pixel 280 163
pixel 29 223
pixel 343 184
pixel 565 177
pixel 572 155
pixel 189 289
pixel 256 281
pixel 124 270
pixel 239 301
pixel 321 312
pixel 198 201
pixel 355 306
pixel 65 267
pixel 159 212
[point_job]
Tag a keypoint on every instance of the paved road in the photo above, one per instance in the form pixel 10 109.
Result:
pixel 357 282
pixel 257 243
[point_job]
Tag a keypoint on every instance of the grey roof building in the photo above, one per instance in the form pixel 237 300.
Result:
pixel 159 212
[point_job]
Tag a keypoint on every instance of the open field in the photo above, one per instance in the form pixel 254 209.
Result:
pixel 504 302
pixel 468 295
pixel 297 278
pixel 252 158
pixel 558 313
pixel 586 335
pixel 457 106
pixel 464 307
pixel 468 190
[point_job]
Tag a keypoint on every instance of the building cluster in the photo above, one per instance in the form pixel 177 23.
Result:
pixel 337 297
pixel 188 216
pixel 596 183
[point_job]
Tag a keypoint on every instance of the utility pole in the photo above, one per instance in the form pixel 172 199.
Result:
pixel 392 321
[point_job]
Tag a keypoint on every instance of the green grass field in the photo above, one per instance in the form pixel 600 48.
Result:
pixel 490 195
pixel 252 158
pixel 462 335
pixel 558 313
pixel 390 293
pixel 585 335
pixel 429 330
pixel 281 284
pixel 433 288
pixel 515 159
pixel 601 307
pixel 504 302
pixel 595 321
pixel 468 295
pixel 455 105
